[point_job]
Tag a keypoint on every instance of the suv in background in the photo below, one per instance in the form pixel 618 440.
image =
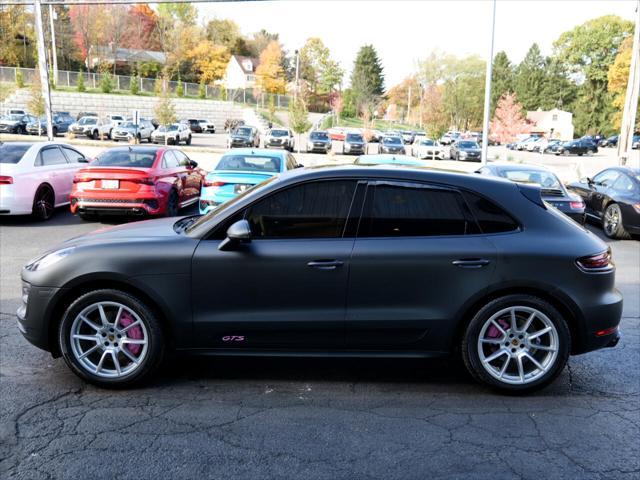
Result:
pixel 129 130
pixel 279 137
pixel 207 126
pixel 194 125
pixel 174 134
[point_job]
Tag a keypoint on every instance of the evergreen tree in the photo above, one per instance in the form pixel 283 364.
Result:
pixel 530 79
pixel 502 78
pixel 367 78
pixel 80 87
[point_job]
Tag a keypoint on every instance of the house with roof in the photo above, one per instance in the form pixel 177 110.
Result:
pixel 123 56
pixel 240 72
pixel 553 123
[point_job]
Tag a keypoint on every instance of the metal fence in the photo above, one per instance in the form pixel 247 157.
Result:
pixel 122 84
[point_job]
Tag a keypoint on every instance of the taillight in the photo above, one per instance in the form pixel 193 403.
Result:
pixel 600 262
pixel 576 205
pixel 144 180
pixel 209 183
pixel 606 331
pixel 5 180
pixel 636 207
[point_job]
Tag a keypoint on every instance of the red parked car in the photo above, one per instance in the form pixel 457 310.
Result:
pixel 136 181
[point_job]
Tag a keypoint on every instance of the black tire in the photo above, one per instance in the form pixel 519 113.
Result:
pixel 172 205
pixel 139 138
pixel 44 203
pixel 171 141
pixel 616 231
pixel 155 341
pixel 95 135
pixel 188 142
pixel 469 347
pixel 54 131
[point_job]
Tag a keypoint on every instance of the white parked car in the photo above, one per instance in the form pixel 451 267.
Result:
pixel 36 177
pixel 428 148
pixel 534 145
pixel 111 121
pixel 129 130
pixel 92 127
pixel 174 134
pixel 207 126
pixel 279 137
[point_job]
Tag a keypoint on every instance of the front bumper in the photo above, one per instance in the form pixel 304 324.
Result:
pixel 9 128
pixel 320 147
pixel 34 315
pixel 240 143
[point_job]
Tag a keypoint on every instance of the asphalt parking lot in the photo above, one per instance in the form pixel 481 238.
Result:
pixel 310 418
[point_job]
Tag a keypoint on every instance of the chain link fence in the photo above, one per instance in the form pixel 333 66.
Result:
pixel 122 84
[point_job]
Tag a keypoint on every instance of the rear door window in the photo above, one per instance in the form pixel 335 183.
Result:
pixel 52 156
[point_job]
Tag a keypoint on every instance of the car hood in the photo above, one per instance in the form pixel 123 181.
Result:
pixel 470 150
pixel 240 137
pixel 146 229
pixel 126 129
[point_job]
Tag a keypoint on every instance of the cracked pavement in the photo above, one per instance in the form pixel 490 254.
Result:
pixel 311 418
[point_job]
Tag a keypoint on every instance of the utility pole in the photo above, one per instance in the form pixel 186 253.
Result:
pixel 631 98
pixel 54 54
pixel 44 69
pixel 297 75
pixel 487 91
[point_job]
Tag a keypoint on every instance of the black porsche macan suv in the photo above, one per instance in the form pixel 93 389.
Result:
pixel 351 260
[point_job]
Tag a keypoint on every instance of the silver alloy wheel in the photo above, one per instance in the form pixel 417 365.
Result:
pixel 611 219
pixel 518 345
pixel 109 340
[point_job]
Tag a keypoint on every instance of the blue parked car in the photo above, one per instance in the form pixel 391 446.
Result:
pixel 240 169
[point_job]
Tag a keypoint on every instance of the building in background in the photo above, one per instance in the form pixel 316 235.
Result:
pixel 240 73
pixel 552 124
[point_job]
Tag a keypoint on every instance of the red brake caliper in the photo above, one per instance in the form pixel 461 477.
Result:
pixel 134 333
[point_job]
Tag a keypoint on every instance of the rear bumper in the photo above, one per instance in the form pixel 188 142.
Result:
pixel 152 205
pixel 601 321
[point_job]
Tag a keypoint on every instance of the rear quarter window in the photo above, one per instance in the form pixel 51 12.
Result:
pixel 491 218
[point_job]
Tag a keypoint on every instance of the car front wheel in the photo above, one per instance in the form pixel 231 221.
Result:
pixel 612 223
pixel 111 339
pixel 516 344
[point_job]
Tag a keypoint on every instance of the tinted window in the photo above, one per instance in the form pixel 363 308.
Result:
pixel 354 137
pixel 12 153
pixel 126 158
pixel 606 178
pixel 463 144
pixel 279 133
pixel 536 177
pixel 310 210
pixel 412 210
pixel 319 136
pixel 249 163
pixel 491 218
pixel 243 131
pixel 391 140
pixel 72 155
pixel 624 184
pixel 52 156
pixel 170 160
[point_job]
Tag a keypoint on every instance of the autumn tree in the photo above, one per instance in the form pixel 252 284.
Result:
pixel 227 33
pixel 434 115
pixel 317 67
pixel 210 60
pixel 36 103
pixel 270 74
pixel 141 28
pixel 508 121
pixel 618 78
pixel 260 41
pixel 87 21
pixel 298 118
pixel 18 37
pixel 178 33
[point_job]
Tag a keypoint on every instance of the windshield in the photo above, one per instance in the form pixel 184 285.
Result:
pixel 227 205
pixel 279 133
pixel 428 143
pixel 170 128
pixel 245 132
pixel 463 144
pixel 536 177
pixel 319 136
pixel 11 153
pixel 15 117
pixel 392 140
pixel 354 137
pixel 248 163
pixel 87 121
pixel 129 125
pixel 126 158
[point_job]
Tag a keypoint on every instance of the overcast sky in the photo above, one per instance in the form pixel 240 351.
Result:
pixel 405 31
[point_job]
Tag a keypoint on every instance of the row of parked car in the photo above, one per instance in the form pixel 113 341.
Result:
pixel 35 178
pixel 586 145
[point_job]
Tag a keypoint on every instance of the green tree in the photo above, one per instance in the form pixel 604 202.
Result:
pixel 316 67
pixel 106 82
pixel 367 79
pixel 35 103
pixel 589 50
pixel 164 110
pixel 19 78
pixel 558 90
pixel 502 78
pixel 298 118
pixel 202 89
pixel 463 93
pixel 348 104
pixel 134 84
pixel 180 88
pixel 227 33
pixel 530 79
pixel 80 86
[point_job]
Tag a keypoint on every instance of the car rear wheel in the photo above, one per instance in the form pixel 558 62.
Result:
pixel 44 203
pixel 516 344
pixel 612 223
pixel 111 339
pixel 188 141
pixel 172 204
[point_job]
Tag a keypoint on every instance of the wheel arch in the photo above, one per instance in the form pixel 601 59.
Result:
pixel 68 295
pixel 43 185
pixel 563 305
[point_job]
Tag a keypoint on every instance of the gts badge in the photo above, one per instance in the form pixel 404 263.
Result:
pixel 233 338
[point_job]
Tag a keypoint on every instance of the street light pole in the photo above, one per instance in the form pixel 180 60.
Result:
pixel 487 91
pixel 44 69
pixel 297 75
pixel 631 98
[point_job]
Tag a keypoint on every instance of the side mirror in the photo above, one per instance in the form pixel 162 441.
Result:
pixel 83 160
pixel 239 232
pixel 193 164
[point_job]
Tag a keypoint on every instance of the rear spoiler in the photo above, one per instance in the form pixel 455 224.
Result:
pixel 532 193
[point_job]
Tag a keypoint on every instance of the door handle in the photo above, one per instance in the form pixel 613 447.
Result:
pixel 471 263
pixel 325 264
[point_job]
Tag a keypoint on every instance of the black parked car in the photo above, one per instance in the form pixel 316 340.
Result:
pixel 552 146
pixel 15 123
pixel 244 136
pixel 466 150
pixel 60 124
pixel 363 261
pixel 551 188
pixel 319 141
pixel 612 198
pixel 577 147
pixel 353 144
pixel 194 125
pixel 611 141
pixel 392 144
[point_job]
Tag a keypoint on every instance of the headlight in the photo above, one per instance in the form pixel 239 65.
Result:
pixel 48 259
pixel 463 154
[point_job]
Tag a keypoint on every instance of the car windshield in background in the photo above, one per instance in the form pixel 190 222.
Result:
pixel 319 136
pixel 354 137
pixel 126 158
pixel 279 133
pixel 427 143
pixel 249 163
pixel 245 132
pixel 170 128
pixel 464 144
pixel 14 117
pixel 392 140
pixel 536 177
pixel 10 153
pixel 87 121
pixel 129 125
